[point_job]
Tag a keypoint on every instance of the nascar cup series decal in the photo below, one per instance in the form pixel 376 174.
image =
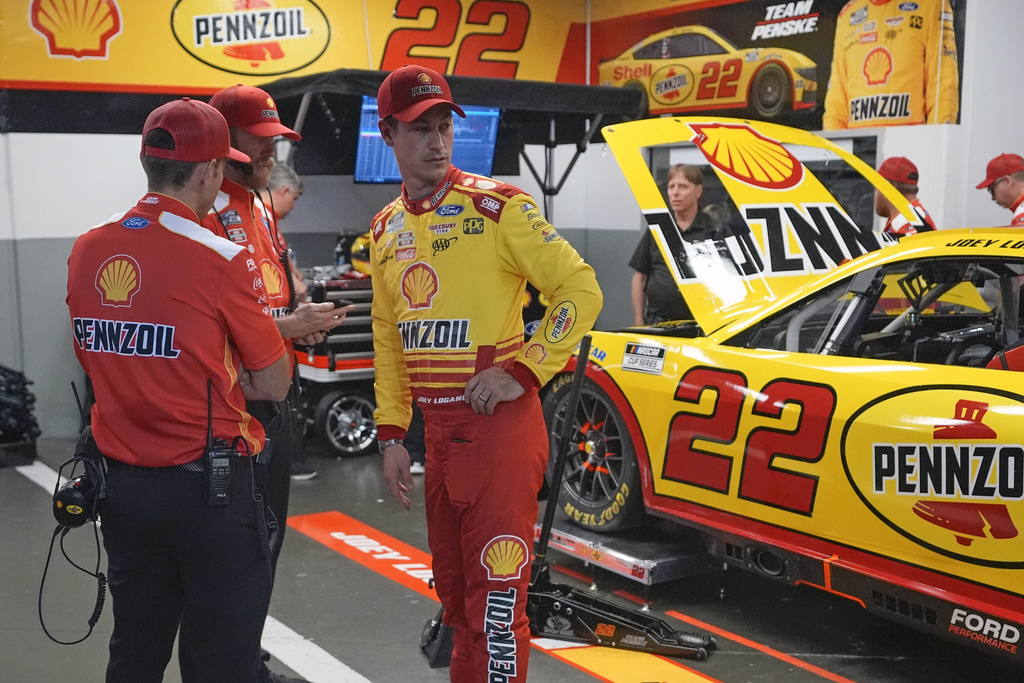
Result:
pixel 944 467
pixel 643 358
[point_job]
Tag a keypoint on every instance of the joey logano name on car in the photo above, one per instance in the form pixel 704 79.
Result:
pixel 125 338
pixel 893 107
pixel 501 642
pixel 966 471
pixel 984 630
pixel 435 334
pixel 788 19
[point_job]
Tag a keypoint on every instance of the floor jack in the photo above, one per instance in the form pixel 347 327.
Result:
pixel 565 613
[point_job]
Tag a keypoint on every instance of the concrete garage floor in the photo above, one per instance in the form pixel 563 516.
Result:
pixel 340 614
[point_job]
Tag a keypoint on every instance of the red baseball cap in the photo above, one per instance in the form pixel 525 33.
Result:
pixel 252 110
pixel 899 170
pixel 408 92
pixel 1002 165
pixel 199 131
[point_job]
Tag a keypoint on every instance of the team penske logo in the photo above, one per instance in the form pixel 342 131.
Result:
pixel 958 487
pixel 125 338
pixel 743 153
pixel 435 334
pixel 787 19
pixel 499 616
pixel 76 29
pixel 878 66
pixel 504 558
pixel 117 281
pixel 419 285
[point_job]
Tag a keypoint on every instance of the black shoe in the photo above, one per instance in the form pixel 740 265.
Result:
pixel 302 471
pixel 268 676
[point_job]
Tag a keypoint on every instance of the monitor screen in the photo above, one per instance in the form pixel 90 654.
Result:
pixel 473 148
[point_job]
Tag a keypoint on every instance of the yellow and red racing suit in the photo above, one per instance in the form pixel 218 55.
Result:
pixel 898 225
pixel 449 272
pixel 894 62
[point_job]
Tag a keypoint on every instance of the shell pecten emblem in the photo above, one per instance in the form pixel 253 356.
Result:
pixel 76 29
pixel 504 558
pixel 741 152
pixel 117 281
pixel 878 66
pixel 419 285
pixel 271 278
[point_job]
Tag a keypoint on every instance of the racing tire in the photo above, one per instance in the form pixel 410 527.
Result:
pixel 645 104
pixel 771 92
pixel 601 480
pixel 344 421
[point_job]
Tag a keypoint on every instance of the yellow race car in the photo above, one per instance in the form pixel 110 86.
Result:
pixel 693 68
pixel 842 411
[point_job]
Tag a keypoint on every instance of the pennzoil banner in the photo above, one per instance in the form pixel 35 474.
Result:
pixel 890 62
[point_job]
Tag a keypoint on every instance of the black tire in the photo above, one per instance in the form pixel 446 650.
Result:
pixel 601 481
pixel 771 93
pixel 344 421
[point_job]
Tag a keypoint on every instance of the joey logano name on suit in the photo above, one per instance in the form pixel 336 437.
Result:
pixel 435 334
pixel 966 470
pixel 501 642
pixel 787 19
pixel 125 338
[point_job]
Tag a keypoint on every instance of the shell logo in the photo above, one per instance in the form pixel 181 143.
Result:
pixel 943 466
pixel 504 558
pixel 252 37
pixel 419 285
pixel 76 29
pixel 423 78
pixel 117 281
pixel 535 353
pixel 744 154
pixel 271 278
pixel 878 66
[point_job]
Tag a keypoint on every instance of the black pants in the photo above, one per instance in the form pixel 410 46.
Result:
pixel 276 419
pixel 174 561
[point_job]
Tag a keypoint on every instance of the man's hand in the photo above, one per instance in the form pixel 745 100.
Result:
pixel 489 388
pixel 396 473
pixel 311 319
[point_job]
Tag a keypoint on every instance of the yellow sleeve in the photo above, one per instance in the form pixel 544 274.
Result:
pixel 837 100
pixel 942 81
pixel 531 247
pixel 391 377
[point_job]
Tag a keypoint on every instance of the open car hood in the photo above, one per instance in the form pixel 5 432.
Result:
pixel 786 225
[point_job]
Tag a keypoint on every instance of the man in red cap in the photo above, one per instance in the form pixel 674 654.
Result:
pixel 1004 180
pixel 160 308
pixel 450 258
pixel 240 215
pixel 902 173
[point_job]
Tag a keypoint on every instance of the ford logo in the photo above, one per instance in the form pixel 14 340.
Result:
pixel 449 210
pixel 532 327
pixel 134 222
pixel 908 6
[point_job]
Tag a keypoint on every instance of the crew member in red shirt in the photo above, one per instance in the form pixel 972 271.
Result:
pixel 1004 180
pixel 160 306
pixel 902 173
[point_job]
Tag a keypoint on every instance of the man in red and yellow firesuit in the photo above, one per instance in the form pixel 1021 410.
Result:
pixel 450 259
pixel 894 62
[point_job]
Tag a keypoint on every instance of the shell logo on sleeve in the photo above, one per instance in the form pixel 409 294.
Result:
pixel 117 281
pixel 535 353
pixel 741 152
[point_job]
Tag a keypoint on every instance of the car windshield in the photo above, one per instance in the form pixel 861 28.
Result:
pixel 940 310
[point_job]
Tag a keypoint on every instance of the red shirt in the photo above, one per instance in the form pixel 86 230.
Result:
pixel 898 225
pixel 159 305
pixel 1018 212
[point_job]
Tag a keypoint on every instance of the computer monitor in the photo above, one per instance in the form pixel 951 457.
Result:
pixel 473 148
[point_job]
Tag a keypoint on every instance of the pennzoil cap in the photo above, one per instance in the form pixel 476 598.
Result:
pixel 411 90
pixel 199 132
pixel 252 110
pixel 1002 165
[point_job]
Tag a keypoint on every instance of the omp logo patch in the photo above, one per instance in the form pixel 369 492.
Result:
pixel 117 281
pixel 76 29
pixel 741 152
pixel 419 285
pixel 504 558
pixel 935 464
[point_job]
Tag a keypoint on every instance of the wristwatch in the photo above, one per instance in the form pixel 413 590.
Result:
pixel 381 445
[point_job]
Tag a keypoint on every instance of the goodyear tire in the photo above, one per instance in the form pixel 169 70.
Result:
pixel 771 92
pixel 601 480
pixel 344 421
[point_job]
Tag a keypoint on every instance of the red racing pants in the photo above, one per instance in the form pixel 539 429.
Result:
pixel 483 473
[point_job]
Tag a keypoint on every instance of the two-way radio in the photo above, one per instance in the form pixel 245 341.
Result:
pixel 218 460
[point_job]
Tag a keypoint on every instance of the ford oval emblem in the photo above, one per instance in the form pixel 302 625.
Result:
pixel 449 210
pixel 134 222
pixel 908 6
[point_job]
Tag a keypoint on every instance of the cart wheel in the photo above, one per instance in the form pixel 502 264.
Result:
pixel 344 420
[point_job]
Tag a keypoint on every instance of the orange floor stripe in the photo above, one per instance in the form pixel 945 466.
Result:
pixel 624 666
pixel 758 646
